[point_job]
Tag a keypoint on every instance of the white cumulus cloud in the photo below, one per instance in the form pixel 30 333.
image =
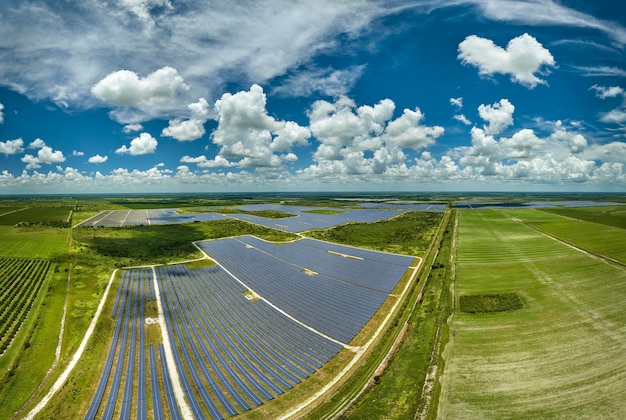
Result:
pixel 364 140
pixel 457 102
pixel 1 113
pixel 192 128
pixel 203 162
pixel 37 144
pixel 126 88
pixel 131 128
pixel 248 136
pixel 12 147
pixel 498 116
pixel 522 59
pixel 462 118
pixel 616 115
pixel 98 159
pixel 142 145
pixel 45 155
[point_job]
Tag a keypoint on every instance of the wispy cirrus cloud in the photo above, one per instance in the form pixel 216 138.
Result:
pixel 249 42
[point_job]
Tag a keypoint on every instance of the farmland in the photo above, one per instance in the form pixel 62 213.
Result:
pixel 561 355
pixel 20 282
pixel 59 216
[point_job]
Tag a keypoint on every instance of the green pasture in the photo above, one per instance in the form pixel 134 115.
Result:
pixel 561 355
pixel 602 239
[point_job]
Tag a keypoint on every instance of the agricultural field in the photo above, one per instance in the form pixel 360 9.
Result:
pixel 57 216
pixel 604 215
pixel 601 238
pixel 20 282
pixel 561 354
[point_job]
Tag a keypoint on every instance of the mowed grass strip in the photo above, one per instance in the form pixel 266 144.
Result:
pixel 561 355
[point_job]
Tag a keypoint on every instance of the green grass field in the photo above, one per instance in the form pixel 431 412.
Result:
pixel 605 215
pixel 604 239
pixel 562 355
pixel 32 242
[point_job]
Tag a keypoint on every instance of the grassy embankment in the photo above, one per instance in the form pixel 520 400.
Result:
pixel 399 391
pixel 561 355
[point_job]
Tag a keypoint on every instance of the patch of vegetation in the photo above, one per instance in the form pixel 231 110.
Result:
pixel 489 303
pixel 409 233
pixel 324 211
pixel 268 214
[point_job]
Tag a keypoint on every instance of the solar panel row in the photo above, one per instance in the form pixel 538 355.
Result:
pixel 242 353
pixel 128 345
pixel 328 298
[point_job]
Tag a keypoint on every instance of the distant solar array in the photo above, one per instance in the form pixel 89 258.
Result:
pixel 301 220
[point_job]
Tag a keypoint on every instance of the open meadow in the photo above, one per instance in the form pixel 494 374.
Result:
pixel 561 354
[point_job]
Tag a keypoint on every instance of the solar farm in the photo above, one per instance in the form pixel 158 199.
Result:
pixel 302 219
pixel 480 308
pixel 242 331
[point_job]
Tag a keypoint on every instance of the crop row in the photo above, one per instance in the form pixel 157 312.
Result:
pixel 20 282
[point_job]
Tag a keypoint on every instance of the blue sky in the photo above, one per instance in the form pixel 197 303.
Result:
pixel 450 95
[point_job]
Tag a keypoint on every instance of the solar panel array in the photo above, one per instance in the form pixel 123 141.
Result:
pixel 301 220
pixel 332 288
